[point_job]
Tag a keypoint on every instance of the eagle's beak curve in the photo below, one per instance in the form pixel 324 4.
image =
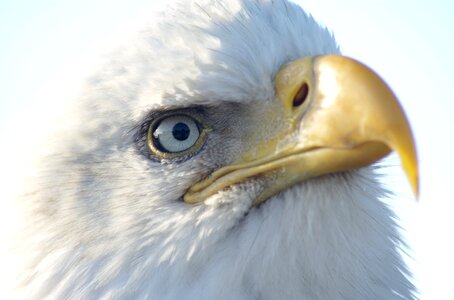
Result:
pixel 340 116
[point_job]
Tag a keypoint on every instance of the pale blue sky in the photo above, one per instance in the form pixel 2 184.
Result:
pixel 410 43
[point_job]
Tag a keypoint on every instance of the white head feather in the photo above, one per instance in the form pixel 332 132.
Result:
pixel 106 220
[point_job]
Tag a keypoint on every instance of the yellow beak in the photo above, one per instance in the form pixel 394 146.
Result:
pixel 331 114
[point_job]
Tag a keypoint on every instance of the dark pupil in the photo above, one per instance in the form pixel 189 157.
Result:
pixel 181 131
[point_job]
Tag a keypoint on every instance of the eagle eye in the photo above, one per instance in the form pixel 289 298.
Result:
pixel 175 135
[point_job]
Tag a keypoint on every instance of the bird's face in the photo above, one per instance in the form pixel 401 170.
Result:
pixel 197 146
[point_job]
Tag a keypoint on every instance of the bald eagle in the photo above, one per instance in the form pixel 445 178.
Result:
pixel 225 152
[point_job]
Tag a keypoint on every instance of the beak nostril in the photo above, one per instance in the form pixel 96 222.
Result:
pixel 301 96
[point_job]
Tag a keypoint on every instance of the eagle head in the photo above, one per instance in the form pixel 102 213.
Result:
pixel 225 152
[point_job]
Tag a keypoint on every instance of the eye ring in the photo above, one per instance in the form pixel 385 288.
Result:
pixel 161 152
